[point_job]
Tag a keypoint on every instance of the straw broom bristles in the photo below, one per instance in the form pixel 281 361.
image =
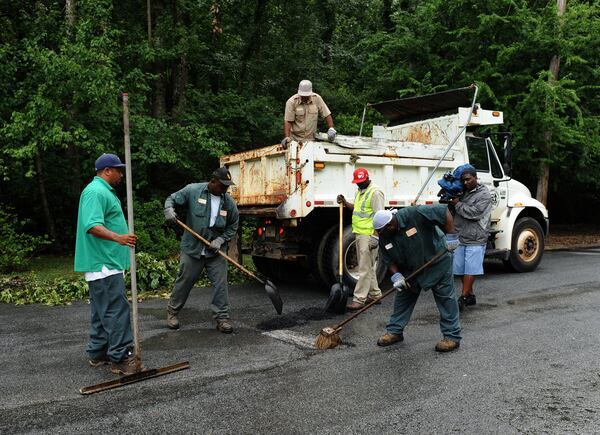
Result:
pixel 328 338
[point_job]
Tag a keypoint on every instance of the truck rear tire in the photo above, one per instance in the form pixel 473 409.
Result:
pixel 280 270
pixel 527 246
pixel 323 271
pixel 331 258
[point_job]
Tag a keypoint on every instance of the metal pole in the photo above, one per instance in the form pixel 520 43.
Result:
pixel 362 122
pixel 449 146
pixel 128 183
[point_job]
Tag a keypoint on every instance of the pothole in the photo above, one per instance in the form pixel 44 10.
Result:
pixel 295 318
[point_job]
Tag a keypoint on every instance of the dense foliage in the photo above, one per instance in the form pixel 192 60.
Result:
pixel 16 247
pixel 213 76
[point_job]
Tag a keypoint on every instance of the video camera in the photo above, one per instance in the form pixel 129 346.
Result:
pixel 451 184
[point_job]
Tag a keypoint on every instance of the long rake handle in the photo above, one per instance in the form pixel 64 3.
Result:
pixel 221 253
pixel 341 244
pixel 392 290
pixel 132 265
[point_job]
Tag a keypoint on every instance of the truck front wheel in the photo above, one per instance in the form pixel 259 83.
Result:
pixel 527 246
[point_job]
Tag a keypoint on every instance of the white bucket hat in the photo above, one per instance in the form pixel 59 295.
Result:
pixel 305 88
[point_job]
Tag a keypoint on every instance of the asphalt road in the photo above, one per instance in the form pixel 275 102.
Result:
pixel 528 363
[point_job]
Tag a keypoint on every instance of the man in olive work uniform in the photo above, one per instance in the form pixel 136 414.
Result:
pixel 302 115
pixel 407 240
pixel 213 214
pixel 102 253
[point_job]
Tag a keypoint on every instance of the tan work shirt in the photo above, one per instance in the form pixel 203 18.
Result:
pixel 305 115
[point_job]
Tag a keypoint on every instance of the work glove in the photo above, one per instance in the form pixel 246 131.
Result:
pixel 373 242
pixel 170 215
pixel 452 241
pixel 285 142
pixel 216 244
pixel 331 134
pixel 398 281
pixel 340 199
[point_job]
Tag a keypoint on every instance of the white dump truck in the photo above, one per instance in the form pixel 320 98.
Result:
pixel 291 192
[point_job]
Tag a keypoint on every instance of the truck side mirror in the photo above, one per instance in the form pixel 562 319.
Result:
pixel 507 166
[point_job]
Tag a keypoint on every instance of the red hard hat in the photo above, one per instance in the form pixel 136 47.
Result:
pixel 360 175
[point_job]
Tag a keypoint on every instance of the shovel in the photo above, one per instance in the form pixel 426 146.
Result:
pixel 270 288
pixel 338 296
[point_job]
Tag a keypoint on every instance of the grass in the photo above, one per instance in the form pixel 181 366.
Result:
pixel 50 267
pixel 46 269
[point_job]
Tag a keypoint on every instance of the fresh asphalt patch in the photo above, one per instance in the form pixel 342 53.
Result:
pixel 296 318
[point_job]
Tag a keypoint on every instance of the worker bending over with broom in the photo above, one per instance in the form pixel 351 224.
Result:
pixel 408 238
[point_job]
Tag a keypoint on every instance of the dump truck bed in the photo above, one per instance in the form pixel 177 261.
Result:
pixel 290 183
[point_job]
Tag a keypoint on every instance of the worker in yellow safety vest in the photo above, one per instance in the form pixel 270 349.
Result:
pixel 368 200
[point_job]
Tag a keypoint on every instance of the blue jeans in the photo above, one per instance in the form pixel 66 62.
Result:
pixel 190 269
pixel 445 299
pixel 110 330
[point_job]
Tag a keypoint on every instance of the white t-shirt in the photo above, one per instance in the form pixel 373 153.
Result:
pixel 94 276
pixel 215 205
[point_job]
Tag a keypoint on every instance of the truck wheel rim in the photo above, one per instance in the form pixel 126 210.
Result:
pixel 528 245
pixel 351 261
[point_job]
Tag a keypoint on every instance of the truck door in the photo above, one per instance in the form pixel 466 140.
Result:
pixel 483 156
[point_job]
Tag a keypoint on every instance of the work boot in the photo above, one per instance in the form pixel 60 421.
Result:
pixel 225 326
pixel 465 301
pixel 388 339
pixel 371 299
pixel 172 320
pixel 461 304
pixel 126 366
pixel 447 345
pixel 470 299
pixel 100 361
pixel 354 306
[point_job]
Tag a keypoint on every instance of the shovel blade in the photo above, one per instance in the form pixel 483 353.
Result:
pixel 273 294
pixel 338 297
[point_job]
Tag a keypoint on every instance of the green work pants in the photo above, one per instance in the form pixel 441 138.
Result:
pixel 190 269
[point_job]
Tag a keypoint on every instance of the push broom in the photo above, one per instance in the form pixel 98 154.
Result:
pixel 141 373
pixel 329 336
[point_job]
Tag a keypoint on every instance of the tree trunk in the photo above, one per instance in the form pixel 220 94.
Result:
pixel 180 68
pixel 386 16
pixel 217 30
pixel 543 181
pixel 254 42
pixel 149 20
pixel 328 18
pixel 70 15
pixel 39 166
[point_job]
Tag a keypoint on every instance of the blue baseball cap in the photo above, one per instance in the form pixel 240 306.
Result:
pixel 108 161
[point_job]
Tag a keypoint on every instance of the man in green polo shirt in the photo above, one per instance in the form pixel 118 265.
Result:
pixel 102 254
pixel 408 238
pixel 213 214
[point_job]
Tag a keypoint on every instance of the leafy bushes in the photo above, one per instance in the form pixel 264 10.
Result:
pixel 154 275
pixel 155 278
pixel 20 291
pixel 154 237
pixel 16 247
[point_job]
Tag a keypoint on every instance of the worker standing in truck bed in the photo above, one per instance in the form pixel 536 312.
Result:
pixel 301 115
